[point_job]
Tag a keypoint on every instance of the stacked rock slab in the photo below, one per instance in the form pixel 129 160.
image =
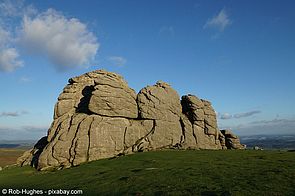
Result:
pixel 232 141
pixel 203 122
pixel 161 104
pixel 98 116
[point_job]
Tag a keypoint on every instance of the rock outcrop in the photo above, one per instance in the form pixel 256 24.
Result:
pixel 202 117
pixel 98 116
pixel 232 141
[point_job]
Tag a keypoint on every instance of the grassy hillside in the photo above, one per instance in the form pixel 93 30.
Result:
pixel 170 172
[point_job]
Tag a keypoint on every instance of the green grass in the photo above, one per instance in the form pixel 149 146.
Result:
pixel 170 173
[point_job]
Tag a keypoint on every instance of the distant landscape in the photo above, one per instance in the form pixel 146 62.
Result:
pixel 11 150
pixel 24 144
pixel 270 142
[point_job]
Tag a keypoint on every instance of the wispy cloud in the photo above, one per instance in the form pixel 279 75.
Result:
pixel 9 57
pixel 10 8
pixel 65 42
pixel 273 126
pixel 13 114
pixel 219 21
pixel 225 116
pixel 9 54
pixel 24 79
pixel 15 8
pixel 117 60
pixel 9 60
pixel 4 36
pixel 27 132
pixel 167 30
pixel 34 128
pixel 246 114
pixel 274 121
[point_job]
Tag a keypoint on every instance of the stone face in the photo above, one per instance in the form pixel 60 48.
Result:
pixel 204 124
pixel 231 140
pixel 112 97
pixel 160 102
pixel 98 116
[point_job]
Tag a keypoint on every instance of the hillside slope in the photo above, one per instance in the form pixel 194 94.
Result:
pixel 170 172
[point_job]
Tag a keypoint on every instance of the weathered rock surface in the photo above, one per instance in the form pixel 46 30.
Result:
pixel 112 97
pixel 31 157
pixel 204 124
pixel 160 102
pixel 98 116
pixel 232 141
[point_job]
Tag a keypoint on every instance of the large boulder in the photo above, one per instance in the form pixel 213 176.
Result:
pixel 98 116
pixel 204 124
pixel 112 97
pixel 160 102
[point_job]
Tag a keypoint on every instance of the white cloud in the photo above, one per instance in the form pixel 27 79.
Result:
pixel 65 42
pixel 15 8
pixel 219 22
pixel 9 60
pixel 117 60
pixel 8 55
pixel 10 8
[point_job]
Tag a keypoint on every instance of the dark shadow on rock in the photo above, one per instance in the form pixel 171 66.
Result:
pixel 84 101
pixel 187 107
pixel 38 149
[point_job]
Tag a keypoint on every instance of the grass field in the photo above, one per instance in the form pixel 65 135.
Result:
pixel 169 173
pixel 8 156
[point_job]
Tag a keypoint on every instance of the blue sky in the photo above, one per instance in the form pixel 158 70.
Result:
pixel 240 55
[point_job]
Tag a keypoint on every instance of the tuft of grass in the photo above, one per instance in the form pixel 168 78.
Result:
pixel 224 172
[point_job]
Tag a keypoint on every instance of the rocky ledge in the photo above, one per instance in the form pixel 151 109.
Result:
pixel 98 116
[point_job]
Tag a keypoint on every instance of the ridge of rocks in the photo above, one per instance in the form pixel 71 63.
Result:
pixel 98 116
